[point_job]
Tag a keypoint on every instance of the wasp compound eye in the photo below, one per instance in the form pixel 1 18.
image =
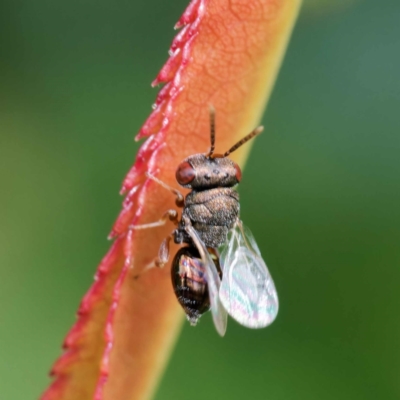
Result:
pixel 238 173
pixel 185 173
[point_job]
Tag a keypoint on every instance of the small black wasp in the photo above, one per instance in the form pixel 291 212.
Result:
pixel 236 280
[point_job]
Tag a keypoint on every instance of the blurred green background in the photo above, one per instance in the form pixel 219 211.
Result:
pixel 321 193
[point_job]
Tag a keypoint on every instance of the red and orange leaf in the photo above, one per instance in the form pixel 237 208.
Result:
pixel 227 54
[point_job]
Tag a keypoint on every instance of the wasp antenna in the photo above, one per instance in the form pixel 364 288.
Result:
pixel 241 142
pixel 212 131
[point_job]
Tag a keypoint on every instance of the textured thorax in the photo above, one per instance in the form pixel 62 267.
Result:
pixel 212 213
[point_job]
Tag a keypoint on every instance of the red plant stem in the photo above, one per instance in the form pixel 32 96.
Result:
pixel 227 54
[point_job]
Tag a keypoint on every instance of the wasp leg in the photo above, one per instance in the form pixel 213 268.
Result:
pixel 163 255
pixel 162 258
pixel 163 252
pixel 180 200
pixel 171 215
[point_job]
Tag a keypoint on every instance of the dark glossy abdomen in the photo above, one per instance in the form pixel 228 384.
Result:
pixel 189 283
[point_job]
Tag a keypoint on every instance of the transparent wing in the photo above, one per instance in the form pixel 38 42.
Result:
pixel 247 290
pixel 219 313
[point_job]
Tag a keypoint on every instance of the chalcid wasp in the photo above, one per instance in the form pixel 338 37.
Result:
pixel 220 268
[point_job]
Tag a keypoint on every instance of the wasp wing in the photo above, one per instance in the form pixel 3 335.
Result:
pixel 247 290
pixel 219 314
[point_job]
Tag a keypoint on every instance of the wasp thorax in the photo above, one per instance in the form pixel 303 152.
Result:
pixel 201 172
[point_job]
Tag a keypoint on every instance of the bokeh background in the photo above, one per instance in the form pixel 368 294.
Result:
pixel 321 193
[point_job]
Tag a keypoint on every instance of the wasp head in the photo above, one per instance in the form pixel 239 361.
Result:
pixel 206 171
pixel 202 171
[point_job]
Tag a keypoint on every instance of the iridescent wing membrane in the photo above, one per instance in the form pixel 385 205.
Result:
pixel 218 312
pixel 247 290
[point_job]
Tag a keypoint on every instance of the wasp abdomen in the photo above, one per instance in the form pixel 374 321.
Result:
pixel 189 283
